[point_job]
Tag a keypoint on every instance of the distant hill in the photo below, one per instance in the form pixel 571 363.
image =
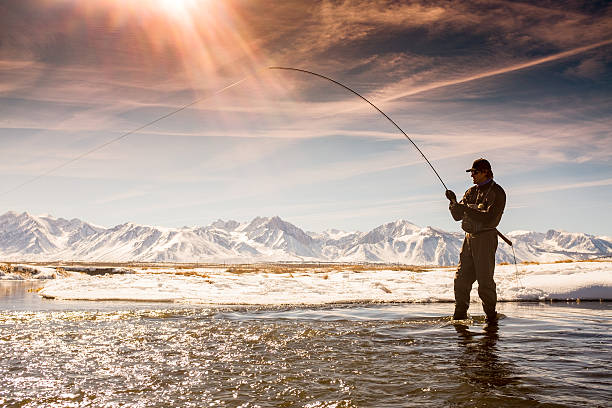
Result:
pixel 27 237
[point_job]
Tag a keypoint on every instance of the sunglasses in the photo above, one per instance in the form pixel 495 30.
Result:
pixel 475 171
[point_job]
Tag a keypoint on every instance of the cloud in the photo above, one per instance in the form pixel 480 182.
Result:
pixel 590 68
pixel 491 73
pixel 120 197
pixel 335 36
pixel 395 48
pixel 561 187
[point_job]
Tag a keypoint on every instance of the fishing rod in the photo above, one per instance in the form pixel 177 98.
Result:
pixel 371 104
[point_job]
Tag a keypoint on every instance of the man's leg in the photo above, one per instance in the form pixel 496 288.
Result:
pixel 483 250
pixel 464 278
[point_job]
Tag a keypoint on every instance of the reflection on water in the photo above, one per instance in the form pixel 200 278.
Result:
pixel 115 354
pixel 12 290
pixel 480 361
pixel 19 295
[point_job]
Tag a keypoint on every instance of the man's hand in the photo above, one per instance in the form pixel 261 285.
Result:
pixel 451 196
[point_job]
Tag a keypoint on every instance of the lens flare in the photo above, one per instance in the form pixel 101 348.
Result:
pixel 200 40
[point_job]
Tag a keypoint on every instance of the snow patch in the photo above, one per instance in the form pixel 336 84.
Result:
pixel 22 272
pixel 580 280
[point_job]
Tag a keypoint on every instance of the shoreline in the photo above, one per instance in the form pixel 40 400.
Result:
pixel 309 284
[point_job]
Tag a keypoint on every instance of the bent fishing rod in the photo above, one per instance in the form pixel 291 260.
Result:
pixel 372 105
pixel 502 236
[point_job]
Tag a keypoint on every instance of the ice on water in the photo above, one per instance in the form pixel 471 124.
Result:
pixel 577 280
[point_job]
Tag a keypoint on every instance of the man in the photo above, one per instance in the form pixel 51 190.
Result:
pixel 479 211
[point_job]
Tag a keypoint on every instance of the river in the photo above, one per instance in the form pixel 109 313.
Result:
pixel 148 354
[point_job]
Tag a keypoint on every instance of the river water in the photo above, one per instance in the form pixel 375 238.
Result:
pixel 113 354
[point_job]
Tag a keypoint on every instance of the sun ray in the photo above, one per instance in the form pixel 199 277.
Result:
pixel 200 41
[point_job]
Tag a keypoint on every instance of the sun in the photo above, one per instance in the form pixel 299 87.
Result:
pixel 179 8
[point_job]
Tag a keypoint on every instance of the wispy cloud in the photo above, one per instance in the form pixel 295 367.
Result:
pixel 561 187
pixel 491 73
pixel 120 197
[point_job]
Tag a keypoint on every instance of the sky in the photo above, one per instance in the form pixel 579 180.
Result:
pixel 527 85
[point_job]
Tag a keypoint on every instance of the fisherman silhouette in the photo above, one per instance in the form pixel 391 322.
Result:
pixel 479 211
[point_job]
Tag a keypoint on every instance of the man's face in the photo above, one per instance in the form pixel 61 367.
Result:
pixel 479 176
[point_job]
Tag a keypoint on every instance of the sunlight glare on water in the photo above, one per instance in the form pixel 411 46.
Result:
pixel 122 354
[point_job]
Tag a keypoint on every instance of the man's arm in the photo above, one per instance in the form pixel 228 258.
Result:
pixel 492 212
pixel 456 209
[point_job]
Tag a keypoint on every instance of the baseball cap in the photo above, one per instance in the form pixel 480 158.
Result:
pixel 479 165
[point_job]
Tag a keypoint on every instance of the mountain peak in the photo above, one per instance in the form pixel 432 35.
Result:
pixel 393 229
pixel 15 214
pixel 405 223
pixel 229 225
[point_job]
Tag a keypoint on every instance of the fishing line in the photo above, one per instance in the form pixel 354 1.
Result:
pixel 518 278
pixel 167 115
pixel 124 135
pixel 371 104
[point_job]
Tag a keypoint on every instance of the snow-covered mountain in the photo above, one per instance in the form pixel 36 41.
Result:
pixel 32 236
pixel 45 238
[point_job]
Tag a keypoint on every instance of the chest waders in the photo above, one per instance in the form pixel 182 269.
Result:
pixel 476 262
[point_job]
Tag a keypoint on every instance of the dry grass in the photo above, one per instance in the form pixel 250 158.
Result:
pixel 189 269
pixel 34 290
pixel 324 268
pixel 191 272
pixel 241 269
pixel 138 265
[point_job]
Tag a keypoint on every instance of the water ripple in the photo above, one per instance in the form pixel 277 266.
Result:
pixel 307 357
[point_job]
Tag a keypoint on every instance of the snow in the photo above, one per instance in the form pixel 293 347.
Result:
pixel 578 280
pixel 333 234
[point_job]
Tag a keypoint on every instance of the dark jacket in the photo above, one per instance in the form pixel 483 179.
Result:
pixel 493 198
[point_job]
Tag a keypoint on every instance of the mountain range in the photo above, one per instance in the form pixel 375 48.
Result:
pixel 25 237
